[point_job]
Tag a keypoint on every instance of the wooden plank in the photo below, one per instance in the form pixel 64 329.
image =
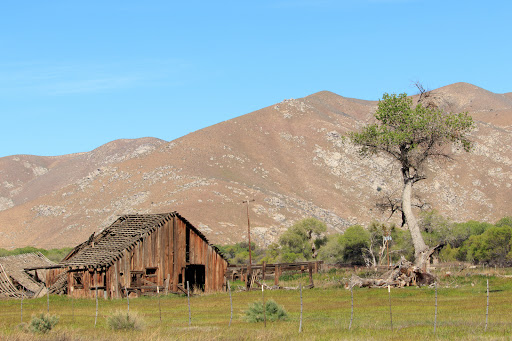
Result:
pixel 311 274
pixel 161 255
pixel 143 250
pixel 276 275
pixel 175 268
pixel 208 274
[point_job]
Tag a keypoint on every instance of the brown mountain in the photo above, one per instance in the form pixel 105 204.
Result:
pixel 289 157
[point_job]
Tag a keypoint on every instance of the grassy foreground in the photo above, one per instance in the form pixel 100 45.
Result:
pixel 326 316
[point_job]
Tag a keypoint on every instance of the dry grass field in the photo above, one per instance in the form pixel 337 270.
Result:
pixel 462 302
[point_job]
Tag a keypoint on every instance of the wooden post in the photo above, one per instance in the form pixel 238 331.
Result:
pixel 487 309
pixel 300 322
pixel 435 315
pixel 263 268
pixel 167 280
pixel 189 313
pixel 72 304
pixel 390 314
pixel 351 307
pixel 159 304
pixel 96 317
pixel 48 300
pixel 311 275
pixel 231 304
pixel 127 298
pixel 249 269
pixel 22 306
pixel 264 308
pixel 276 275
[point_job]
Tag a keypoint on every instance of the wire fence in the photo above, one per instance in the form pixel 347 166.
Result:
pixel 472 309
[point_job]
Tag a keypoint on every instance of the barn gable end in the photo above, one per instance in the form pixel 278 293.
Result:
pixel 142 253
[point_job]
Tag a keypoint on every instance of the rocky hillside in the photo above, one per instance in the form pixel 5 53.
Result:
pixel 289 157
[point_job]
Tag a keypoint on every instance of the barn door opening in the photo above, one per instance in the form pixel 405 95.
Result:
pixel 195 275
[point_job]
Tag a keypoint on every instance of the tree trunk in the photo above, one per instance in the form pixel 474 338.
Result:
pixel 420 248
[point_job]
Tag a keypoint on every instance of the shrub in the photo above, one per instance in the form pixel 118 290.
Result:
pixel 493 247
pixel 125 321
pixel 274 312
pixel 448 254
pixel 298 241
pixel 43 323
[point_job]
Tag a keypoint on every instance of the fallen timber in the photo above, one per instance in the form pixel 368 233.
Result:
pixel 255 274
pixel 403 274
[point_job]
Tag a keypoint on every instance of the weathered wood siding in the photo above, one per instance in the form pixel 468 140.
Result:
pixel 162 254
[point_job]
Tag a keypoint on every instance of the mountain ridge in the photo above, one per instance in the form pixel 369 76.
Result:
pixel 288 156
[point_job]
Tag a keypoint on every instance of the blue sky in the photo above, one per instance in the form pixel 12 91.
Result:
pixel 75 75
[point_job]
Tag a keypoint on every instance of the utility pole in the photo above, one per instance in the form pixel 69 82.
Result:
pixel 249 266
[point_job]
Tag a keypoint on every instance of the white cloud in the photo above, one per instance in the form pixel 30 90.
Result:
pixel 73 78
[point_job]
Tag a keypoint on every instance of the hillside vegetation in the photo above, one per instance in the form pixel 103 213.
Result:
pixel 55 255
pixel 474 242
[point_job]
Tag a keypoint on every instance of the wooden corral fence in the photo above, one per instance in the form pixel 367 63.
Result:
pixel 256 272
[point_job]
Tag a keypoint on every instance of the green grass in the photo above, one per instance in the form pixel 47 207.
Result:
pixel 461 314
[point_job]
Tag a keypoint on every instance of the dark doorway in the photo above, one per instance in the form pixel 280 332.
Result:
pixel 136 279
pixel 195 275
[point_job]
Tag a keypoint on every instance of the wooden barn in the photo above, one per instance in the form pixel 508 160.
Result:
pixel 140 254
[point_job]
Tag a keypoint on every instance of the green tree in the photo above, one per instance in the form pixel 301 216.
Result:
pixel 493 247
pixel 272 253
pixel 302 240
pixel 354 241
pixel 505 221
pixel 412 135
pixel 332 251
pixel 348 247
pixel 460 232
pixel 239 253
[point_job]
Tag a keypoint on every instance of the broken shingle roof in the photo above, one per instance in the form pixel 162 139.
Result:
pixel 12 268
pixel 107 247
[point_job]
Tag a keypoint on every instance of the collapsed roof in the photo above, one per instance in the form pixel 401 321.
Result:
pixel 16 280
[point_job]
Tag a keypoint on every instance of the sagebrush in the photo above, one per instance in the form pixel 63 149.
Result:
pixel 43 323
pixel 274 312
pixel 125 321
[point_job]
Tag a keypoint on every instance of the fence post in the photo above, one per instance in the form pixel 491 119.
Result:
pixel 231 304
pixel 22 306
pixel 48 300
pixel 276 274
pixel 351 307
pixel 300 322
pixel 96 316
pixel 159 304
pixel 189 313
pixel 72 304
pixel 390 314
pixel 264 308
pixel 487 309
pixel 435 314
pixel 127 298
